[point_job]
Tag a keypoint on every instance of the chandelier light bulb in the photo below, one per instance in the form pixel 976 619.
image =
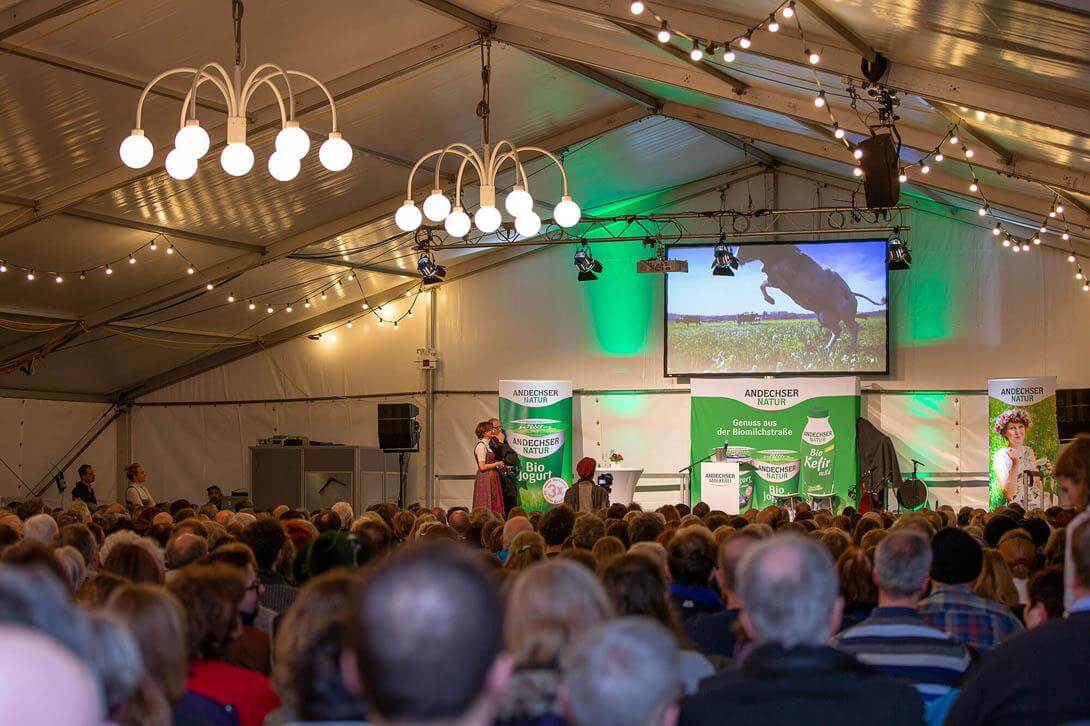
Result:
pixel 180 165
pixel 283 166
pixel 636 7
pixel 567 213
pixel 457 223
pixel 789 10
pixel 728 54
pixel 292 140
pixel 518 202
pixel 487 219
pixel 664 33
pixel 407 217
pixel 819 100
pixel 528 224
pixel 136 150
pixel 857 153
pixel 436 206
pixel 813 57
pixel 745 41
pixel 237 158
pixel 696 53
pixel 335 153
pixel 192 140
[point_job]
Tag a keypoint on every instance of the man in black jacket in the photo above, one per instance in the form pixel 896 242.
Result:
pixel 85 489
pixel 1036 677
pixel 503 452
pixel 790 607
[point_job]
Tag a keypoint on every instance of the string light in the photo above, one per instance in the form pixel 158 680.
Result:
pixel 857 152
pixel 82 275
pixel 109 270
pixel 813 57
pixel 745 41
pixel 190 270
pixel 789 9
pixel 837 131
pixel 209 286
pixel 857 171
pixel 306 303
pixel 902 177
pixel 58 279
pixel 231 297
pixel 954 139
pixel 773 25
pixel 819 100
pixel 170 249
pixel 997 229
pixel 939 157
pixel 696 53
pixel 974 187
pixel 925 169
pixel 269 310
pixel 288 309
pixel 252 306
pixel 348 324
pixel 152 246
pixel 968 152
pixel 636 7
pixel 30 275
pixel 664 33
pixel 728 54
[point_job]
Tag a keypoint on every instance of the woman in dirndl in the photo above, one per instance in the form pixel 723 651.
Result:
pixel 487 488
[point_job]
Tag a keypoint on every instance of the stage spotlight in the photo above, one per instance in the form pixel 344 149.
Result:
pixel 898 256
pixel 724 263
pixel 586 264
pixel 432 272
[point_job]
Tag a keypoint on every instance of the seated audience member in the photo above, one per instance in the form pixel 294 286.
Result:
pixel 654 552
pixel 1033 678
pixel 458 518
pixel 512 528
pixel 714 633
pixel 691 559
pixel 35 597
pixel 585 495
pixel 309 647
pixel 995 582
pixel 790 608
pixel 439 600
pixel 623 673
pixel 268 541
pixel 644 527
pixel 115 658
pixel 854 571
pixel 41 528
pixel 253 647
pixel 212 595
pixel 588 529
pixel 1019 550
pixel 556 526
pixel 549 605
pixel 34 669
pixel 134 563
pixel 344 511
pixel 894 639
pixel 605 549
pixel 71 561
pixel 1045 596
pixel 618 528
pixel 952 606
pixel 184 549
pixel 1072 472
pixel 637 587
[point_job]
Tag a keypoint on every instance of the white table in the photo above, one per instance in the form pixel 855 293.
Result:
pixel 624 483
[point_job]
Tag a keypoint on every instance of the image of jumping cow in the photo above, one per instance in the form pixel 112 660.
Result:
pixel 815 288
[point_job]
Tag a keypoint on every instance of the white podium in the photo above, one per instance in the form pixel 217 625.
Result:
pixel 719 485
pixel 624 484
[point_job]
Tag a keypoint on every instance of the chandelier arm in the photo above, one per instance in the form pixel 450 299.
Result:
pixel 494 161
pixel 458 183
pixel 519 169
pixel 229 95
pixel 559 165
pixel 276 92
pixel 467 152
pixel 328 95
pixel 253 82
pixel 191 94
pixel 421 160
pixel 151 84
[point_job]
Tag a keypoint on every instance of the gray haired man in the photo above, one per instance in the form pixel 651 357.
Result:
pixel 626 672
pixel 790 609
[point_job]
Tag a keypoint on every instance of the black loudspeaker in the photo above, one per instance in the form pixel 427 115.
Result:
pixel 1072 411
pixel 880 171
pixel 398 429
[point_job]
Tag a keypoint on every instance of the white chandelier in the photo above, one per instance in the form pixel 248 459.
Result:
pixel 487 164
pixel 191 142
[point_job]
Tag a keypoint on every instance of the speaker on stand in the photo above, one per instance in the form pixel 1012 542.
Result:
pixel 399 432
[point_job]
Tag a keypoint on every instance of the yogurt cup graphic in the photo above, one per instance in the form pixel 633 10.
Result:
pixel 777 470
pixel 536 438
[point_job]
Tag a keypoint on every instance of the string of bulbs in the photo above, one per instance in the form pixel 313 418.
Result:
pixel 107 268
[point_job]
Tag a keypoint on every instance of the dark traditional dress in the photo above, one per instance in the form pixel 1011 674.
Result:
pixel 487 489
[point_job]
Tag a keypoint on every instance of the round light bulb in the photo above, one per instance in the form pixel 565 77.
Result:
pixel 996 230
pixel 109 270
pixel 1086 288
pixel 954 139
pixel 209 286
pixel 192 140
pixel 857 153
pixel 696 53
pixel 819 100
pixel 1036 240
pixel 528 224
pixel 487 219
pixel 925 169
pixel 1066 236
pixel 745 41
pixel 269 310
pixel 636 7
pixel 566 213
pixel 518 202
pixel 407 216
pixel 283 166
pixel 251 306
pixel 436 206
pixel 857 171
pixel 237 159
pixel 728 55
pixel 170 249
pixel 1071 258
pixel 180 165
pixel 968 153
pixel 664 35
pixel 292 140
pixel 132 260
pixel 789 10
pixel 58 279
pixel 348 324
pixel 136 150
pixel 335 153
pixel 839 133
pixel 30 276
pixel 939 157
pixel 457 223
pixel 902 177
pixel 982 211
pixel 974 187
pixel 814 58
pixel 190 270
pixel 773 27
pixel 1007 242
pixel 231 298
pixel 288 309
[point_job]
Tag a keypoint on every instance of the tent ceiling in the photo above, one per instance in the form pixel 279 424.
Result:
pixel 410 78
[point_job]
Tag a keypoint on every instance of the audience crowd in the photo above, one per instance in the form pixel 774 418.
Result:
pixel 180 613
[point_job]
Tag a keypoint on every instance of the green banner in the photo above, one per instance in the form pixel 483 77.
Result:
pixel 537 418
pixel 1023 441
pixel 791 436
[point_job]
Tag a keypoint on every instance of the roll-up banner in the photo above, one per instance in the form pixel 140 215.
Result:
pixel 1023 441
pixel 791 436
pixel 537 416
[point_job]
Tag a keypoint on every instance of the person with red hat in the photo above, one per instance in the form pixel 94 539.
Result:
pixel 585 495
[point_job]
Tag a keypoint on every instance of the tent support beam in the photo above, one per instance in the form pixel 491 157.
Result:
pixel 26 14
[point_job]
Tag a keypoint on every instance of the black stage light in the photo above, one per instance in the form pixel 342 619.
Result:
pixel 432 272
pixel 724 263
pixel 586 264
pixel 898 256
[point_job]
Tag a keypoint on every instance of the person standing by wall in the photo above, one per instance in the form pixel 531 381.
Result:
pixel 137 494
pixel 84 491
pixel 487 488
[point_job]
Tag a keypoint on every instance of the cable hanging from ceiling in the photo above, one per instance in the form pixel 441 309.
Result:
pixel 107 268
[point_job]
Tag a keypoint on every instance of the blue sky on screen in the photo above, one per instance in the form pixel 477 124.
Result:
pixel 861 264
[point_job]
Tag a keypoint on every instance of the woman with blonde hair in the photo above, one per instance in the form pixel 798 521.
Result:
pixel 996 583
pixel 605 549
pixel 549 606
pixel 1019 551
pixel 526 549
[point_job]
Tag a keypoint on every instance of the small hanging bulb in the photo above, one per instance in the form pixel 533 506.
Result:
pixel 789 10
pixel 324 296
pixel 728 54
pixel 664 33
pixel 974 187
pixel 1065 236
pixel 939 156
pixel 153 246
pixel 395 325
pixel 1078 275
pixel 288 309
pixel 968 152
pixel 109 270
pixel 1036 240
pixel 1044 228
pixel 696 53
pixel 269 310
pixel 1059 209
pixel 925 169
pixel 381 322
pixel 58 279
pixel 745 41
pixel 1086 288
pixel 340 283
pixel 1052 213
pixel 983 210
pixel 857 152
pixel 170 249
pixel 1007 242
pixel 819 100
pixel 954 139
pixel 365 306
pixel 1071 258
pixel 857 171
pixel 351 277
pixel 813 57
pixel 190 270
pixel 30 275
pixel 252 306
pixel 231 297
pixel 348 324
pixel 209 286
pixel 996 230
pixel 408 293
pixel 132 260
pixel 902 177
pixel 410 313
pixel 636 7
pixel 837 131
pixel 3 267
pixel 306 303
pixel 773 24
pixel 83 275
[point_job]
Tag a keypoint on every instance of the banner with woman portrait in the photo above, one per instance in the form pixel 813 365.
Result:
pixel 537 416
pixel 1023 441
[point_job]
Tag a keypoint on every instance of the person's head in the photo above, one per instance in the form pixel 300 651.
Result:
pixel 788 589
pixel 241 557
pixel 429 614
pixel 956 559
pixel 184 549
pixel 525 549
pixel 1072 471
pixel 1045 596
pixel 636 586
pixel 484 428
pixel 157 620
pixel 588 529
pixel 34 669
pixel 513 527
pixel 73 564
pixel 115 659
pixel 494 423
pixel 86 474
pixel 310 643
pixel 625 672
pixel 1013 425
pixel 729 554
pixel 618 528
pixel 548 606
pixel 134 563
pixel 854 570
pixel 81 537
pixel 701 509
pixel 459 520
pixel 212 595
pixel 995 581
pixel 645 527
pixel 215 494
pixel 135 473
pixel 41 528
pixel 266 538
pixel 585 468
pixel 605 549
pixel 556 525
pixel 998 526
pixel 1018 549
pixel 902 566
pixel 691 556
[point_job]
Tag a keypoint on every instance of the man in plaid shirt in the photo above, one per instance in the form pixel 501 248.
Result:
pixel 952 606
